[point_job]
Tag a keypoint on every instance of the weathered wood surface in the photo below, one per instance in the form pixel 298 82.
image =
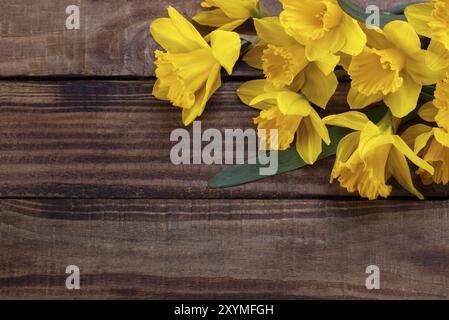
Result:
pixel 223 249
pixel 86 179
pixel 109 139
pixel 113 39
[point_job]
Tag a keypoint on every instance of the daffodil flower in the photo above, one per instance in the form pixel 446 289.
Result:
pixel 288 112
pixel 433 144
pixel 368 157
pixel 227 14
pixel 285 64
pixel 431 19
pixel 189 71
pixel 438 109
pixel 394 71
pixel 323 27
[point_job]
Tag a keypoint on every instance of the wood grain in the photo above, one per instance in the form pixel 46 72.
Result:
pixel 113 39
pixel 111 139
pixel 224 249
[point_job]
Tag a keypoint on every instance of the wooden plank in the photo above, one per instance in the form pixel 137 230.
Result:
pixel 111 139
pixel 113 39
pixel 224 249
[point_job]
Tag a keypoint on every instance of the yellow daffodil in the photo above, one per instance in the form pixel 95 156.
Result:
pixel 288 112
pixel 433 144
pixel 438 109
pixel 394 71
pixel 431 19
pixel 323 27
pixel 368 157
pixel 227 14
pixel 285 64
pixel 189 71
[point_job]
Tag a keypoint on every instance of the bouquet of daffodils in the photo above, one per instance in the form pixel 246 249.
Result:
pixel 401 65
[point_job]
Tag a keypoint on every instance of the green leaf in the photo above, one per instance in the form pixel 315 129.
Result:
pixel 360 14
pixel 289 160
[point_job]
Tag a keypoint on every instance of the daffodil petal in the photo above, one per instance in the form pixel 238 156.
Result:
pixel 437 57
pixel 419 16
pixel 212 85
pixel 186 29
pixel 319 126
pixel 160 93
pixel 234 9
pixel 357 100
pixel 347 146
pixel 402 147
pixel 318 87
pixel 308 142
pixel 319 49
pixel 402 35
pixel 328 64
pixel 252 89
pixel 293 104
pixel 270 96
pixel 428 112
pixel 375 143
pixel 168 37
pixel 410 135
pixel 271 31
pixel 355 37
pixel 253 57
pixel 353 120
pixel 398 167
pixel 422 140
pixel 226 48
pixel 442 137
pixel 420 72
pixel 213 18
pixel 404 101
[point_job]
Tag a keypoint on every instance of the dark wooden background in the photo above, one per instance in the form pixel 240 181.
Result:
pixel 85 179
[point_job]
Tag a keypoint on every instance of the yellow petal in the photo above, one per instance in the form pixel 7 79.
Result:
pixel 353 120
pixel 357 100
pixel 252 89
pixel 308 142
pixel 428 112
pixel 236 9
pixel 186 29
pixel 437 57
pixel 213 83
pixel 271 31
pixel 347 146
pixel 403 36
pixel 213 18
pixel 318 87
pixel 355 37
pixel 226 48
pixel 402 147
pixel 159 92
pixel 319 126
pixel 328 64
pixel 170 38
pixel 293 104
pixel 420 71
pixel 422 140
pixel 375 143
pixel 331 43
pixel 404 101
pixel 398 167
pixel 442 137
pixel 419 16
pixel 410 135
pixel 253 57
